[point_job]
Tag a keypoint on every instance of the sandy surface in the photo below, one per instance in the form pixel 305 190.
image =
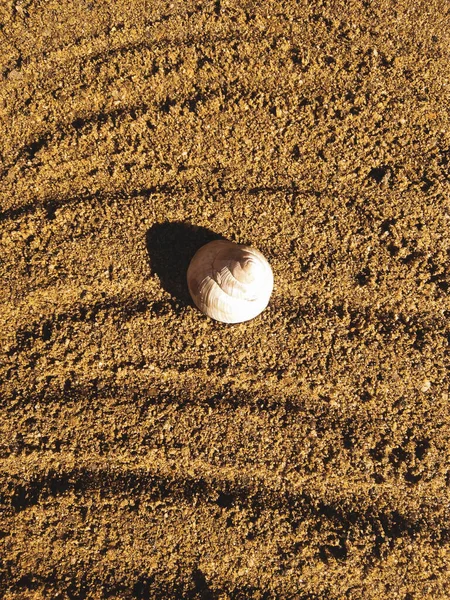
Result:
pixel 148 452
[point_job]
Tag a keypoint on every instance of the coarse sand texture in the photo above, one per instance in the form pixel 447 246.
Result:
pixel 148 451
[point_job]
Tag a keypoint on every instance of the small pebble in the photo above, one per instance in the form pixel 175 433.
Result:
pixel 425 386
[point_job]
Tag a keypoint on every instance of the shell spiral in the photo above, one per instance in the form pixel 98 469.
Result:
pixel 230 282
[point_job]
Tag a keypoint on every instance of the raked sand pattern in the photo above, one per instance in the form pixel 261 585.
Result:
pixel 149 452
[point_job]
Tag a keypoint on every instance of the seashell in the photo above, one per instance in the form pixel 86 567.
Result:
pixel 230 282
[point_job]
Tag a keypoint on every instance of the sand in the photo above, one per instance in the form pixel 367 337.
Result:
pixel 149 452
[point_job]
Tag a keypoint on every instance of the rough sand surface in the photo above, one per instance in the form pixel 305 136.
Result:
pixel 148 452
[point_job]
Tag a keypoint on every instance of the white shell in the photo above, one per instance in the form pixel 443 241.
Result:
pixel 229 282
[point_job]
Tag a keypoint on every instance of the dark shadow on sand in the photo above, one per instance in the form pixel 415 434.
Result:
pixel 170 247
